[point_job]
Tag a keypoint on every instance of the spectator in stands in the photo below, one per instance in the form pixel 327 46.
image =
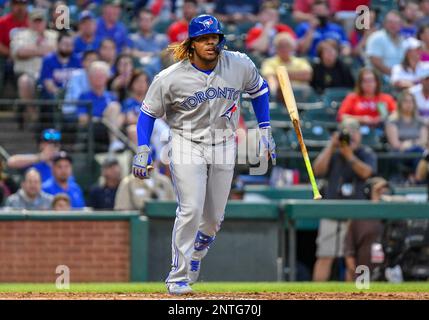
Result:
pixel 17 18
pixel 28 47
pixel 77 85
pixel 367 104
pixel 7 184
pixel 237 11
pixel 86 39
pixel 119 82
pixel 346 165
pixel 362 234
pixel 311 33
pixel 385 47
pixel 407 74
pixel 260 38
pixel 109 26
pixel 410 15
pixel 137 89
pixel 299 70
pixel 423 36
pixel 405 131
pixel 62 180
pixel 421 95
pixel 103 196
pixel 359 36
pixel 61 202
pixel 424 13
pixel 30 196
pixel 57 67
pixel 49 145
pixel 147 44
pixel 329 71
pixel 133 193
pixel 107 53
pixel 302 11
pixel 104 103
pixel 178 31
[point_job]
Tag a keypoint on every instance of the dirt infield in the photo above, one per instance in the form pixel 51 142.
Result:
pixel 221 296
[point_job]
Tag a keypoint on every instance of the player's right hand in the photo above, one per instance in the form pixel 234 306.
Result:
pixel 141 163
pixel 267 146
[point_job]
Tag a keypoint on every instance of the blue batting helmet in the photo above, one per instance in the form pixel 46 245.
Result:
pixel 206 24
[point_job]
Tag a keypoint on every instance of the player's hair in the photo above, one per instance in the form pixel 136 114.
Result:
pixel 181 51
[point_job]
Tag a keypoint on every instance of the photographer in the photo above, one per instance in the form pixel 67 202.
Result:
pixel 346 165
pixel 422 172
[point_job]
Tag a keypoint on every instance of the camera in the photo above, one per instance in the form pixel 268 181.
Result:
pixel 344 137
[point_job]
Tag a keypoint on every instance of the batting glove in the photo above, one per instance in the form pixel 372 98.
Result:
pixel 141 163
pixel 267 146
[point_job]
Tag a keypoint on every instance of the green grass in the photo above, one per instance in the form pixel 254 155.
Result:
pixel 219 287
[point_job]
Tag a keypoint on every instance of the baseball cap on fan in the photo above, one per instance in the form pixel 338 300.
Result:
pixel 51 135
pixel 86 14
pixel 38 14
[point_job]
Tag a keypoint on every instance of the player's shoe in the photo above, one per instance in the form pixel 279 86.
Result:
pixel 178 288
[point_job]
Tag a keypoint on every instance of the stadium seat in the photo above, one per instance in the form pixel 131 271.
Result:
pixel 325 117
pixel 161 26
pixel 370 137
pixel 305 94
pixel 334 96
pixel 315 136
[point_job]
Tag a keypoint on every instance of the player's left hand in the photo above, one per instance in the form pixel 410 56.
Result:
pixel 267 146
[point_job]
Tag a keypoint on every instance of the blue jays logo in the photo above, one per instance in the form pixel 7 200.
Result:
pixel 207 23
pixel 230 111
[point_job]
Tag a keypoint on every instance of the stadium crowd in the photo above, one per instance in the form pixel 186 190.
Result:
pixel 114 48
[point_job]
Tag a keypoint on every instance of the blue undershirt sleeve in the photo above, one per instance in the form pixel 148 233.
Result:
pixel 261 105
pixel 144 128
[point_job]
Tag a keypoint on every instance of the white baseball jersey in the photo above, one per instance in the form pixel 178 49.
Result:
pixel 205 102
pixel 203 109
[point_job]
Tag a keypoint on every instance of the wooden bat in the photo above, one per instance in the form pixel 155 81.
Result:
pixel 290 102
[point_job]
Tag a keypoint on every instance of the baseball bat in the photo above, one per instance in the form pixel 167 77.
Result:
pixel 290 102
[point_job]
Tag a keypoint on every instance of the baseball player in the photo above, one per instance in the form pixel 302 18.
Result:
pixel 199 96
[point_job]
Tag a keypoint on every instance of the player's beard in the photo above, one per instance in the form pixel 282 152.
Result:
pixel 206 60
